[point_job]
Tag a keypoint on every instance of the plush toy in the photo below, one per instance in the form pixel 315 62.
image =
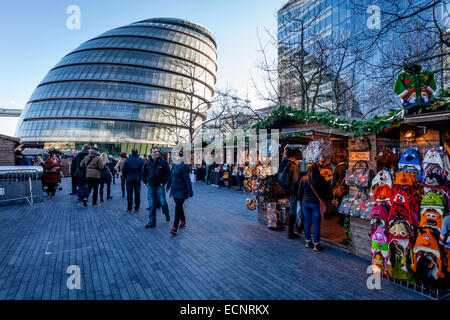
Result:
pixel 427 246
pixel 387 159
pixel 415 88
pixel 438 158
pixel 410 161
pixel 400 252
pixel 382 194
pixel 379 249
pixel 383 177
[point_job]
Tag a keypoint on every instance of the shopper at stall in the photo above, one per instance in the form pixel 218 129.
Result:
pixel 289 176
pixel 339 186
pixel 155 174
pixel 238 176
pixel 312 186
pixel 131 171
pixel 180 188
pixel 93 166
pixel 73 169
pixel 105 178
pixel 118 169
pixel 52 174
pixel 209 161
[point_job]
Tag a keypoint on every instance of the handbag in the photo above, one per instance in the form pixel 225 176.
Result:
pixel 81 172
pixel 359 206
pixel 359 176
pixel 322 204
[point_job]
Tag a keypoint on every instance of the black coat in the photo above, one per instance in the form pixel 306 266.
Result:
pixel 156 172
pixel 294 174
pixel 73 165
pixel 179 182
pixel 80 157
pixel 105 175
pixel 132 168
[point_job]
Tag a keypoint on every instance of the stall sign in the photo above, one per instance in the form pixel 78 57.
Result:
pixel 357 156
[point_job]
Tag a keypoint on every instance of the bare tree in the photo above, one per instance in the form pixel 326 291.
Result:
pixel 314 71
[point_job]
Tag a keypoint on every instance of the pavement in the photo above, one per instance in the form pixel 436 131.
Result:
pixel 224 253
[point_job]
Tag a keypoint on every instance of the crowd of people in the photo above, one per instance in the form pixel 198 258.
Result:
pixel 91 171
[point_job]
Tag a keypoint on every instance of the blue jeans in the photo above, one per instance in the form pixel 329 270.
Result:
pixel 154 194
pixel 83 189
pixel 207 174
pixel 311 214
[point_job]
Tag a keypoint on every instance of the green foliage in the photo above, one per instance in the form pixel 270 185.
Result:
pixel 357 127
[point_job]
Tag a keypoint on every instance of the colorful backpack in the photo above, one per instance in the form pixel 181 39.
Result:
pixel 378 217
pixel 431 219
pixel 404 208
pixel 427 247
pixel 400 252
pixel 383 177
pixel 439 158
pixel 433 201
pixel 379 249
pixel 404 178
pixel 387 159
pixel 411 161
pixel 383 194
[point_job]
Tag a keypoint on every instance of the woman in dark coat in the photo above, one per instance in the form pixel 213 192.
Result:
pixel 180 189
pixel 52 174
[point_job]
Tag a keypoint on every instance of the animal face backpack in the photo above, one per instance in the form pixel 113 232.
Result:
pixel 431 219
pixel 378 217
pixel 383 194
pixel 379 249
pixel 439 158
pixel 427 248
pixel 387 159
pixel 403 209
pixel 410 161
pixel 433 201
pixel 383 177
pixel 400 252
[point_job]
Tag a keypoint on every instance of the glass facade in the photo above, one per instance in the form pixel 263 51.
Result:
pixel 124 86
pixel 339 21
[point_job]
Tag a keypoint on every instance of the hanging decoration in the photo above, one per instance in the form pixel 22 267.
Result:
pixel 357 127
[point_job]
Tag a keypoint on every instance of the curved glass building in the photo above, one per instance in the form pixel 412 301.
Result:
pixel 130 85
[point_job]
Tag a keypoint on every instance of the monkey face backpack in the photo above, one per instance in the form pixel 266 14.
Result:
pixel 387 159
pixel 427 248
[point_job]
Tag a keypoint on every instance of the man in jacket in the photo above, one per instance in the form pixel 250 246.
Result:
pixel 155 175
pixel 82 183
pixel 73 169
pixel 93 166
pixel 111 164
pixel 289 162
pixel 131 171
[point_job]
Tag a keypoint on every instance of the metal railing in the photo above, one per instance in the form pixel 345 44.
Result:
pixel 20 183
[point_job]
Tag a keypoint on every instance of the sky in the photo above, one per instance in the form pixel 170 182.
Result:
pixel 34 36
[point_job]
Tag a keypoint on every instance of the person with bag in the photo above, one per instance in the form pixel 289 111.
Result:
pixel 93 166
pixel 340 189
pixel 131 171
pixel 180 187
pixel 52 174
pixel 118 169
pixel 288 177
pixel 312 195
pixel 105 178
pixel 81 173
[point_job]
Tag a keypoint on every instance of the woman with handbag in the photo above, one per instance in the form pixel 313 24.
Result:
pixel 312 196
pixel 180 189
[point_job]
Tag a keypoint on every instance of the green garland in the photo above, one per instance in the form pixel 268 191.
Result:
pixel 348 235
pixel 357 127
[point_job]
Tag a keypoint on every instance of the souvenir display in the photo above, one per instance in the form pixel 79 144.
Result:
pixel 387 160
pixel 416 224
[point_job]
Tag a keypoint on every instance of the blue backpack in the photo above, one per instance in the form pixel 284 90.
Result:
pixel 411 161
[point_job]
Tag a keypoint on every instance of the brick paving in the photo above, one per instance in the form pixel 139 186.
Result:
pixel 223 253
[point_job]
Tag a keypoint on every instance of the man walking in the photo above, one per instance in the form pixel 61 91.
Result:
pixel 131 171
pixel 83 190
pixel 73 169
pixel 155 174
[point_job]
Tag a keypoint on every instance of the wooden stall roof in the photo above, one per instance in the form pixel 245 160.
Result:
pixel 439 118
pixel 309 129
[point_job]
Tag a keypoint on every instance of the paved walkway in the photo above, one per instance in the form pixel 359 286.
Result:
pixel 224 253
